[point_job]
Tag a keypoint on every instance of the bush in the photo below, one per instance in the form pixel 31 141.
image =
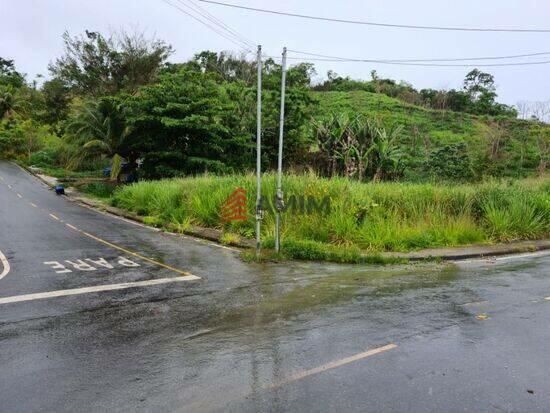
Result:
pixel 99 189
pixel 450 162
pixel 372 217
pixel 43 158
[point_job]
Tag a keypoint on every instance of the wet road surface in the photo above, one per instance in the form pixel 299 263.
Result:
pixel 216 334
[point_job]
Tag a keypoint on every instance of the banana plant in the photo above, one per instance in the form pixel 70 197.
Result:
pixel 387 155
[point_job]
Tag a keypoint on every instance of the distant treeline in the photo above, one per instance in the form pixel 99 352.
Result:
pixel 118 100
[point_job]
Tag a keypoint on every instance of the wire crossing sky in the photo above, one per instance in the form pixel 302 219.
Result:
pixel 32 30
pixel 367 23
pixel 425 62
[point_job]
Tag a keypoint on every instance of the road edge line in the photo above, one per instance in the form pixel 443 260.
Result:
pixel 5 265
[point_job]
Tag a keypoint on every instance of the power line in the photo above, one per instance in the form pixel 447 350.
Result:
pixel 214 29
pixel 462 59
pixel 209 16
pixel 405 63
pixel 420 64
pixel 369 23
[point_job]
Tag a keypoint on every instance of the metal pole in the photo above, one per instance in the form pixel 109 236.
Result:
pixel 279 196
pixel 259 212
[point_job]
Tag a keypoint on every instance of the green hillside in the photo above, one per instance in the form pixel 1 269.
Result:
pixel 491 146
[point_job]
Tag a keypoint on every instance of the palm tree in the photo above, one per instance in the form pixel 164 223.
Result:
pixel 11 102
pixel 99 129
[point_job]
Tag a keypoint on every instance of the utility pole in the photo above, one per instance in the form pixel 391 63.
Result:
pixel 279 202
pixel 259 212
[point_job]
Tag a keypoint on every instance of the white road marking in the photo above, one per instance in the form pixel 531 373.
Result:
pixel 10 187
pixel 101 262
pixel 19 196
pixel 33 205
pixel 222 246
pixel 81 265
pixel 124 261
pixel 135 254
pixel 56 265
pixel 1 178
pixel 504 258
pixel 519 256
pixel 95 289
pixel 547 298
pixel 5 265
pixel 332 365
pixel 129 221
pixel 476 303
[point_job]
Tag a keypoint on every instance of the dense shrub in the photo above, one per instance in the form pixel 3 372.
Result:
pixel 373 217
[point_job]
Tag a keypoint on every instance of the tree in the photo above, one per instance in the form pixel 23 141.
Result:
pixel 364 133
pixel 56 101
pixel 542 134
pixel 534 110
pixel 330 135
pixel 9 76
pixel 181 125
pixel 298 109
pixel 450 161
pixel 12 83
pixel 386 160
pixel 99 129
pixel 480 87
pixel 12 102
pixel 94 65
pixel 478 84
pixel 227 66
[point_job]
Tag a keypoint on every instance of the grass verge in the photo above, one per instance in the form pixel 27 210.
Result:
pixel 363 217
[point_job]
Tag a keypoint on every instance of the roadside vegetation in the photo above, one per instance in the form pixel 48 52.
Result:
pixel 404 169
pixel 363 217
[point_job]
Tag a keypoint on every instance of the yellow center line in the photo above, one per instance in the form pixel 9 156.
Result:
pixel 332 365
pixel 135 254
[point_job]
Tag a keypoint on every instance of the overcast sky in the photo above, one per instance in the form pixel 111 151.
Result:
pixel 30 33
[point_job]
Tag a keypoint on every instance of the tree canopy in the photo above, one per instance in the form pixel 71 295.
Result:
pixel 118 97
pixel 95 65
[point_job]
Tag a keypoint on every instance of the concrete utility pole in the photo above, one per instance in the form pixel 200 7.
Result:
pixel 279 202
pixel 259 212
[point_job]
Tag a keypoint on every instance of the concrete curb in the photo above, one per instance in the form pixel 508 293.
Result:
pixel 472 251
pixel 209 234
pixel 444 254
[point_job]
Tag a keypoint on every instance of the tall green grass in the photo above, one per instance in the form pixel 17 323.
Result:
pixel 364 216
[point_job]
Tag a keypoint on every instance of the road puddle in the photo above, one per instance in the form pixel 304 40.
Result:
pixel 283 300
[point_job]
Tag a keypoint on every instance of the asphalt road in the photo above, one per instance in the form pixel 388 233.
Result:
pixel 101 314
